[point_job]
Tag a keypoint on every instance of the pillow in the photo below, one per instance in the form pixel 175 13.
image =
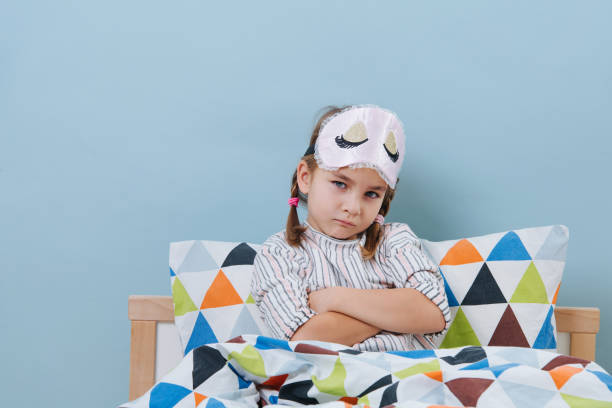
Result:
pixel 502 288
pixel 211 292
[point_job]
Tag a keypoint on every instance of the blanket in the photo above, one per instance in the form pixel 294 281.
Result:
pixel 252 371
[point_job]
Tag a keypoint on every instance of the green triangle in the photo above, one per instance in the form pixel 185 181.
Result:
pixel 250 299
pixel 363 400
pixel 578 402
pixel 460 333
pixel 182 302
pixel 334 384
pixel 433 365
pixel 531 288
pixel 251 360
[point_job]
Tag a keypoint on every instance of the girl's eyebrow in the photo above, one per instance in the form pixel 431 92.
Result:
pixel 350 180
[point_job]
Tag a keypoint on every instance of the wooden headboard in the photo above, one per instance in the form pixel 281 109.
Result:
pixel 145 311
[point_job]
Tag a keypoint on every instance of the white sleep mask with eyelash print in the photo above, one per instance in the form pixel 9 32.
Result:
pixel 362 136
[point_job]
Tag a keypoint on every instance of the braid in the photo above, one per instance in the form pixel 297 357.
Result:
pixel 374 231
pixel 294 228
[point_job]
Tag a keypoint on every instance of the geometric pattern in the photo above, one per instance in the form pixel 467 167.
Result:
pixel 502 288
pixel 210 283
pixel 252 371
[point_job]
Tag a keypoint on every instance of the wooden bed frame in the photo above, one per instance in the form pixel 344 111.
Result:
pixel 145 311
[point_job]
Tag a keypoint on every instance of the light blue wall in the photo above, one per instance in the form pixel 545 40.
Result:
pixel 127 125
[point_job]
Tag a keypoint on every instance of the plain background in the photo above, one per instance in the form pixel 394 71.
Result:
pixel 127 125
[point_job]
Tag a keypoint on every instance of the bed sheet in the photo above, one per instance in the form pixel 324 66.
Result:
pixel 252 371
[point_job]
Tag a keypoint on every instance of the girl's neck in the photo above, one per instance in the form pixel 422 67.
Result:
pixel 360 236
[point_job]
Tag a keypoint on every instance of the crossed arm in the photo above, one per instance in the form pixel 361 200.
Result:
pixel 349 316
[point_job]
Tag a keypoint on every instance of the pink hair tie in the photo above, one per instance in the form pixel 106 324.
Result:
pixel 379 219
pixel 294 201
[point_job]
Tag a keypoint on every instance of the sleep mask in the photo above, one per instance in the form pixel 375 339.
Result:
pixel 362 136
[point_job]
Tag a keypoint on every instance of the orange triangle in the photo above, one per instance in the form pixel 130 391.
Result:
pixel 435 375
pixel 463 252
pixel 561 374
pixel 554 301
pixel 198 398
pixel 220 293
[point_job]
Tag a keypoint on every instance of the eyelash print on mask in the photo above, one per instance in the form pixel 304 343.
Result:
pixel 355 136
pixel 391 147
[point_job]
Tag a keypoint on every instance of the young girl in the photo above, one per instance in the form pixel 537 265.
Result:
pixel 344 276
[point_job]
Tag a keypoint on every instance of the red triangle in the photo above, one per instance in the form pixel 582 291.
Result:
pixel 468 390
pixel 275 382
pixel 463 252
pixel 310 349
pixel 508 331
pixel 563 360
pixel 349 401
pixel 221 293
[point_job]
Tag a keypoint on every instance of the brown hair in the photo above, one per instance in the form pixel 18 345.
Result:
pixel 295 229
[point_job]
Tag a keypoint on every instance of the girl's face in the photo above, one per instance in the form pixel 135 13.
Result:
pixel 341 203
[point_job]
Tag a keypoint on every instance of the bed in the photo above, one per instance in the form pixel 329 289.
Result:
pixel 155 348
pixel 508 343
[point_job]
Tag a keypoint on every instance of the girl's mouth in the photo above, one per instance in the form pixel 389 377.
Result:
pixel 346 223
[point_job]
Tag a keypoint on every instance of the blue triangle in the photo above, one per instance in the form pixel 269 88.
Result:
pixel 242 383
pixel 484 363
pixel 197 259
pixel 555 246
pixel 499 369
pixel 509 248
pixel 452 300
pixel 526 395
pixel 266 343
pixel 244 324
pixel 172 272
pixel 603 377
pixel 413 353
pixel 546 337
pixel 214 403
pixel 167 395
pixel 519 355
pixel 202 334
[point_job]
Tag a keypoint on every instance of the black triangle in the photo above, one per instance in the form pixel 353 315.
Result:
pixel 389 396
pixel 297 392
pixel 243 254
pixel 381 382
pixel 350 351
pixel 206 362
pixel 470 354
pixel 484 290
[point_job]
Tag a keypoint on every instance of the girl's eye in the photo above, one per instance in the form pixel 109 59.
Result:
pixel 372 194
pixel 339 184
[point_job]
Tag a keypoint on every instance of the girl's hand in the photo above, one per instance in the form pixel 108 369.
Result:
pixel 323 300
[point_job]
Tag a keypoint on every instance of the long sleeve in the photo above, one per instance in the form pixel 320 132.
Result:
pixel 279 288
pixel 412 268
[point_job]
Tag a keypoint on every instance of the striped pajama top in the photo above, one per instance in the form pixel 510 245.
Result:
pixel 285 275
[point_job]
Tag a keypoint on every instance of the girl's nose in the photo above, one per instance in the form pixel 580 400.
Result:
pixel 351 205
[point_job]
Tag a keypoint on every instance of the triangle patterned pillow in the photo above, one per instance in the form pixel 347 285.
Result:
pixel 210 283
pixel 502 288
